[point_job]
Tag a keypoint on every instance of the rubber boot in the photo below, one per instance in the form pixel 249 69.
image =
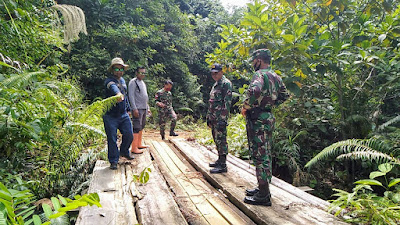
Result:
pixel 135 144
pixel 262 197
pixel 221 166
pixel 140 140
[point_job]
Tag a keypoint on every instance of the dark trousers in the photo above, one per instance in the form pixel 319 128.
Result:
pixel 112 123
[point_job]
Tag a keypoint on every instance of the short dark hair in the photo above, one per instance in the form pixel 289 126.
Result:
pixel 168 82
pixel 139 67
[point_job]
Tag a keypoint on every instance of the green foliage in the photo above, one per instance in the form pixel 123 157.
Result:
pixel 237 136
pixel 364 205
pixel 370 149
pixel 16 207
pixel 45 124
pixel 143 177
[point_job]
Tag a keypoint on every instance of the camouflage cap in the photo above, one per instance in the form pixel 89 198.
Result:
pixel 263 53
pixel 216 67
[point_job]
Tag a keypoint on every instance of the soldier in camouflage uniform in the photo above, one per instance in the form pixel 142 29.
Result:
pixel 217 115
pixel 266 90
pixel 165 110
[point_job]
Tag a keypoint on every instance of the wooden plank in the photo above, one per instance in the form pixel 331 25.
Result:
pixel 157 205
pixel 245 166
pixel 187 207
pixel 210 213
pixel 286 208
pixel 107 183
pixel 214 213
pixel 187 186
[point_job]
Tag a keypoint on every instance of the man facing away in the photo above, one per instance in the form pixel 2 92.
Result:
pixel 165 109
pixel 217 116
pixel 266 90
pixel 138 99
pixel 117 117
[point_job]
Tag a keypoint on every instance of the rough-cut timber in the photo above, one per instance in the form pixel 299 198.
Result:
pixel 200 203
pixel 119 195
pixel 115 197
pixel 287 206
pixel 157 205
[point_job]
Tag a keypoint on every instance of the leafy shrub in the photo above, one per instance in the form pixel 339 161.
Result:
pixel 17 208
pixel 364 205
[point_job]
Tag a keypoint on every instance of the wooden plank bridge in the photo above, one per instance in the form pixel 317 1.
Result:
pixel 182 191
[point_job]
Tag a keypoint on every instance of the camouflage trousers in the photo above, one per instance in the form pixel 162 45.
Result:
pixel 259 136
pixel 163 116
pixel 219 136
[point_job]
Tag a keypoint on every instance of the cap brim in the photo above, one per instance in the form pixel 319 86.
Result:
pixel 215 71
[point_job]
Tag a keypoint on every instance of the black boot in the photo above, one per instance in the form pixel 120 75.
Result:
pixel 214 164
pixel 172 133
pixel 113 166
pixel 220 168
pixel 252 192
pixel 162 135
pixel 262 197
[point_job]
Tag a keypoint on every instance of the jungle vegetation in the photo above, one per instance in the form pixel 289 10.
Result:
pixel 339 59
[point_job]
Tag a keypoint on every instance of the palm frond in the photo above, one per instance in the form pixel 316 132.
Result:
pixel 98 108
pixel 86 127
pixel 347 146
pixel 19 80
pixel 370 155
pixel 388 123
pixel 184 109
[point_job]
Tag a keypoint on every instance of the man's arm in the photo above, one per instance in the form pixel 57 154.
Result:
pixel 113 87
pixel 159 103
pixel 254 91
pixel 131 94
pixel 228 97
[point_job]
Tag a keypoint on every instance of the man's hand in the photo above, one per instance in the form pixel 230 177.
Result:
pixel 135 113
pixel 160 104
pixel 120 97
pixel 244 112
pixel 149 113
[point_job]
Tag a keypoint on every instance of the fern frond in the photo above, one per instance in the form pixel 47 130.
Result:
pixel 370 155
pixel 86 127
pixel 98 108
pixel 388 123
pixel 184 109
pixel 347 146
pixel 20 80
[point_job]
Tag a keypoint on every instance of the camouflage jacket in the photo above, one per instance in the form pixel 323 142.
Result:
pixel 164 97
pixel 220 101
pixel 266 90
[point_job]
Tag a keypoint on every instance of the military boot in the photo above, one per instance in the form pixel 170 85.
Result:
pixel 172 133
pixel 214 164
pixel 262 197
pixel 252 192
pixel 162 135
pixel 220 167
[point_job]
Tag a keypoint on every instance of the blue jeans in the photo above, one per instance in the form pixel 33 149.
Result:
pixel 124 125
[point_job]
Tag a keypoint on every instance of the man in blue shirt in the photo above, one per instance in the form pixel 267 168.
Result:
pixel 117 117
